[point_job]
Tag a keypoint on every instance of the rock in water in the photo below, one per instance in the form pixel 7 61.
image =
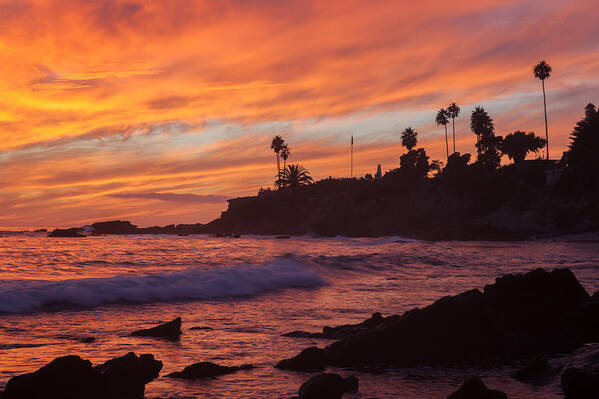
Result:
pixel 520 316
pixel 580 383
pixel 114 227
pixel 536 371
pixel 67 377
pixel 311 358
pixel 71 377
pixel 206 369
pixel 475 388
pixel 327 386
pixel 126 376
pixel 72 232
pixel 170 330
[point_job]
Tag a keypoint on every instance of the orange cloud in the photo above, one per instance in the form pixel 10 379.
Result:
pixel 106 97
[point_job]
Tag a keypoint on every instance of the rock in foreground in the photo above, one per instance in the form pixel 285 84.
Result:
pixel 311 358
pixel 170 330
pixel 327 386
pixel 475 388
pixel 536 371
pixel 207 369
pixel 519 316
pixel 71 377
pixel 580 383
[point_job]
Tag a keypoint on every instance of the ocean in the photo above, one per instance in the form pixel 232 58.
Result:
pixel 55 292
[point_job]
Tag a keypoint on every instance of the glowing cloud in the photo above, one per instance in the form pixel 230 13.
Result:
pixel 104 99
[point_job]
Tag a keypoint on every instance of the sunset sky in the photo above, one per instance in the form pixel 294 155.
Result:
pixel 158 111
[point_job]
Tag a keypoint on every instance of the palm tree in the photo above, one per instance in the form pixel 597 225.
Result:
pixel 487 144
pixel 441 119
pixel 285 154
pixel 408 138
pixel 481 123
pixel 276 145
pixel 293 177
pixel 452 112
pixel 542 71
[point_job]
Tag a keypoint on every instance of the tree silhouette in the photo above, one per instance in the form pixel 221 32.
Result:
pixel 582 169
pixel 584 145
pixel 441 119
pixel 414 163
pixel 276 145
pixel 518 144
pixel 293 177
pixel 453 111
pixel 487 144
pixel 456 163
pixel 542 71
pixel 285 154
pixel 408 138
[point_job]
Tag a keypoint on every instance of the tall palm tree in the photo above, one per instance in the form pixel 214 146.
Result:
pixel 276 145
pixel 285 154
pixel 453 111
pixel 408 138
pixel 441 119
pixel 487 144
pixel 293 177
pixel 542 71
pixel 481 124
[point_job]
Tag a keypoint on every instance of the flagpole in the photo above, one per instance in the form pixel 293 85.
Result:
pixel 351 168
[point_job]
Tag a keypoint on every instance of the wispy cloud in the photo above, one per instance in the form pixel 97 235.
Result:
pixel 173 197
pixel 121 97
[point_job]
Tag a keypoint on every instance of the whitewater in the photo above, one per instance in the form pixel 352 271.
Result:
pixel 55 292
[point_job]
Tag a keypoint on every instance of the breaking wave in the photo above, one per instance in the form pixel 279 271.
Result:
pixel 20 296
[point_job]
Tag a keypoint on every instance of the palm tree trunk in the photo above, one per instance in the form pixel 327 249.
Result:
pixel 545 108
pixel 278 165
pixel 453 123
pixel 446 142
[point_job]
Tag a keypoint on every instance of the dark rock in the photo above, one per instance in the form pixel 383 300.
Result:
pixel 580 384
pixel 282 237
pixel 518 317
pixel 170 330
pixel 340 332
pixel 327 386
pixel 206 369
pixel 126 376
pixel 201 328
pixel 347 330
pixel 302 334
pixel 311 358
pixel 114 227
pixel 475 388
pixel 536 371
pixel 72 232
pixel 67 377
pixel 585 357
pixel 71 377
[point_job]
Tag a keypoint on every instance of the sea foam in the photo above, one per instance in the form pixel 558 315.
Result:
pixel 19 296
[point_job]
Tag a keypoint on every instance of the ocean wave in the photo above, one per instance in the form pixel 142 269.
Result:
pixel 21 296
